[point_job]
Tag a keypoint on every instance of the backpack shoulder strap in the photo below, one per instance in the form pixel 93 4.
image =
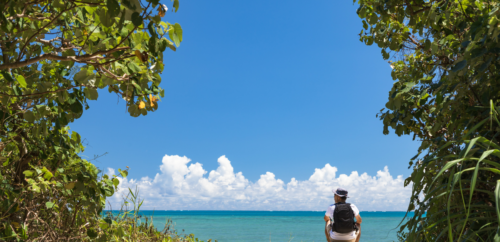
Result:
pixel 350 208
pixel 335 209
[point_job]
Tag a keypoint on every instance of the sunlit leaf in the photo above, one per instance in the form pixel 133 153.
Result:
pixel 70 185
pixel 49 205
pixel 142 105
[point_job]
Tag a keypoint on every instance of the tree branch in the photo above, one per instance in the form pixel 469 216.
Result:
pixel 82 58
pixel 42 93
pixel 37 32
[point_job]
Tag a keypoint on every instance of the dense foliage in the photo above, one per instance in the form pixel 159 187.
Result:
pixel 56 55
pixel 445 59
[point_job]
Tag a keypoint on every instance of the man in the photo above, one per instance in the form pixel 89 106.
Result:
pixel 339 218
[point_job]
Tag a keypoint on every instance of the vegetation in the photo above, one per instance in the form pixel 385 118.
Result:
pixel 445 59
pixel 130 225
pixel 56 55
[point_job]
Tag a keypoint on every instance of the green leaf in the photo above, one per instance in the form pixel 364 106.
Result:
pixel 81 76
pixel 107 81
pixel 134 67
pixel 91 93
pixel 365 25
pixel 7 76
pixel 49 205
pixel 497 206
pixel 162 44
pixel 116 182
pixel 103 224
pixel 57 3
pixel 385 55
pixel 6 26
pixel 70 185
pixel 47 175
pixel 28 173
pixel 478 52
pixel 108 191
pixel 21 80
pixel 434 47
pixel 151 29
pixel 106 19
pixel 459 66
pixel 175 34
pixel 124 173
pixel 119 232
pixel 76 107
pixel 113 8
pixel 92 233
pixel 29 116
pixel 137 19
pixel 157 19
pixel 427 44
pixel 129 4
pixel 133 110
pixel 152 45
pixel 138 88
pixel 373 19
pixel 108 182
pixel 176 5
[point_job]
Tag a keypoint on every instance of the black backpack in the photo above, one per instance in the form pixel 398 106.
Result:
pixel 343 218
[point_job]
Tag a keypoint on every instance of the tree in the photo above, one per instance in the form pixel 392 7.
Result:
pixel 55 56
pixel 445 59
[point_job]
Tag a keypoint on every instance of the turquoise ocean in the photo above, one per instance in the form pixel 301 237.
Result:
pixel 295 226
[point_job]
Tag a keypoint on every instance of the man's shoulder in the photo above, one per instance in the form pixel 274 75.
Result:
pixel 354 208
pixel 331 206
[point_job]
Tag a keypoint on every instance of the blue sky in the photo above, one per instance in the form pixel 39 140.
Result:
pixel 275 87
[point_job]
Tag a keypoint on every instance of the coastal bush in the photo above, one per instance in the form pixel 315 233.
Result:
pixel 446 90
pixel 128 224
pixel 56 55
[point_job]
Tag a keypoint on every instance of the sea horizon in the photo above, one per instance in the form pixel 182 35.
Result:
pixel 269 225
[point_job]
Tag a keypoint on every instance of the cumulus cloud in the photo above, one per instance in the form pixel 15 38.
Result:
pixel 184 185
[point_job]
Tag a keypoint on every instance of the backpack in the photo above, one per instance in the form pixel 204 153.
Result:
pixel 343 218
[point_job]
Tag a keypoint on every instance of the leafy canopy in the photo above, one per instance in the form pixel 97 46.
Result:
pixel 445 59
pixel 55 56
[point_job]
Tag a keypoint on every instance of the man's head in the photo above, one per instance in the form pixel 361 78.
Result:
pixel 340 195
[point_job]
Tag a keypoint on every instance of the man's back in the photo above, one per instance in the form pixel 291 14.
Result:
pixel 337 235
pixel 341 215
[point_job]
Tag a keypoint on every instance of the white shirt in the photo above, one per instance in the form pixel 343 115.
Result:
pixel 341 236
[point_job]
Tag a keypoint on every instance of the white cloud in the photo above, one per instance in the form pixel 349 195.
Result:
pixel 186 185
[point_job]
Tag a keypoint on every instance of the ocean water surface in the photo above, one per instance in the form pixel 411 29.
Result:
pixel 295 226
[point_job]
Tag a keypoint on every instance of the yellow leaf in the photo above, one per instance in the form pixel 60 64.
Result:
pixel 142 105
pixel 15 225
pixel 138 54
pixel 152 100
pixel 161 10
pixel 69 185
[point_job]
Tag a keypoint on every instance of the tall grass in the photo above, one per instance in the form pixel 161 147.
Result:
pixel 460 201
pixel 128 224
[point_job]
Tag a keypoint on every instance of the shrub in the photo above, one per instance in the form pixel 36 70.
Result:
pixel 56 55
